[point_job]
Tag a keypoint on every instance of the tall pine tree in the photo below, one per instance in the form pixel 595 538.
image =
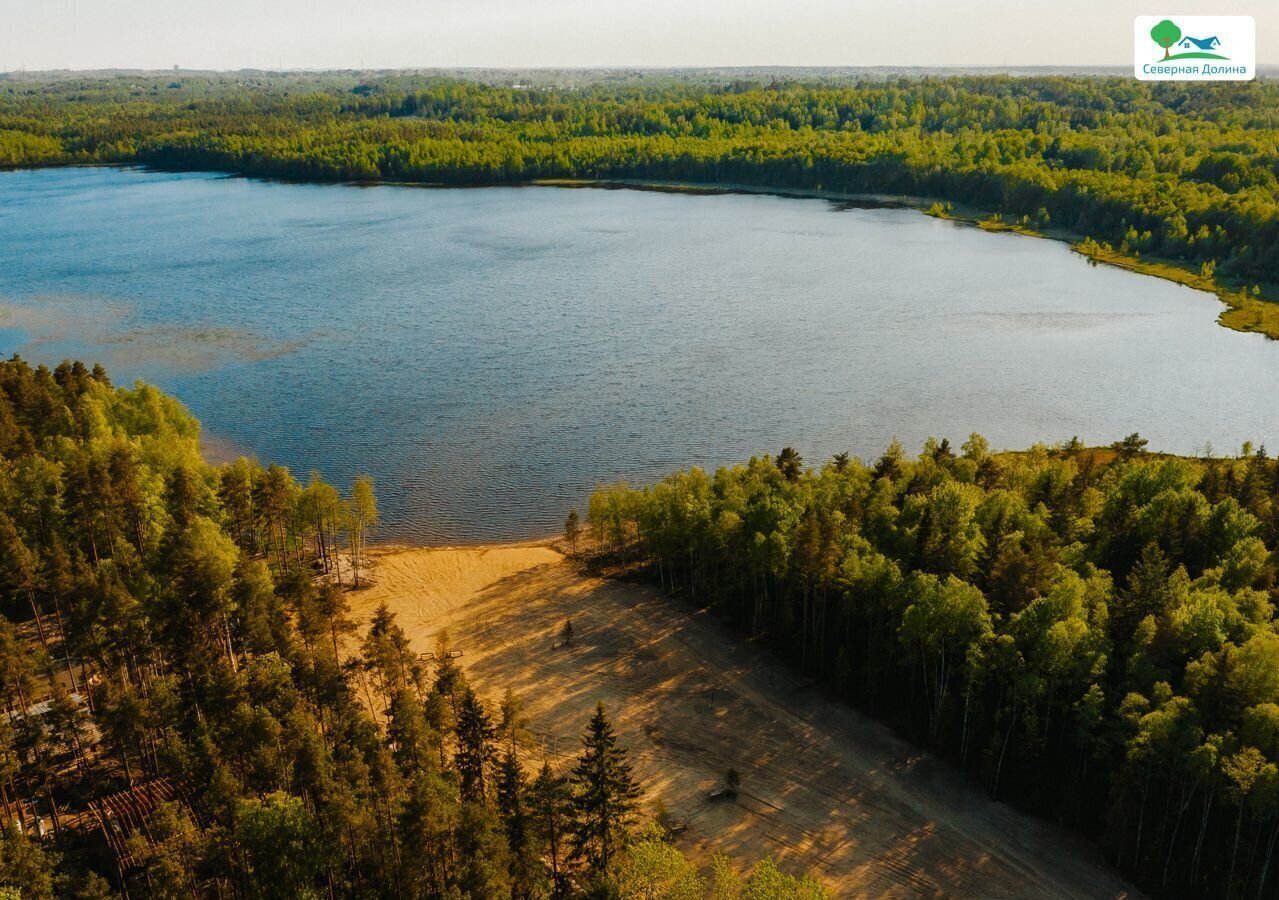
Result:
pixel 551 805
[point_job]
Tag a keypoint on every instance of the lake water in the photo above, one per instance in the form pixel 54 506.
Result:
pixel 489 355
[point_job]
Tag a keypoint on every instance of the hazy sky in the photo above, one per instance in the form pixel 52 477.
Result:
pixel 229 34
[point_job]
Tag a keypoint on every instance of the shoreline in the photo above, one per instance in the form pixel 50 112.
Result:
pixel 866 200
pixel 1244 313
pixel 386 549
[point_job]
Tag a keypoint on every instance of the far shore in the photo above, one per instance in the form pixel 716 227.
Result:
pixel 1243 312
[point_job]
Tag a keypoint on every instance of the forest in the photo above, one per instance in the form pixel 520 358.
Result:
pixel 191 711
pixel 1183 173
pixel 1089 632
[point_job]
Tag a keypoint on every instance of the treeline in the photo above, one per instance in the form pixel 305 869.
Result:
pixel 1091 633
pixel 1188 173
pixel 177 631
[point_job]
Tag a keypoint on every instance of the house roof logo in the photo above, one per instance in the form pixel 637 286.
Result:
pixel 1194 48
pixel 1168 35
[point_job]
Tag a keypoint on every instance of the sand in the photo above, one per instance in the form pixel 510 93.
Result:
pixel 823 789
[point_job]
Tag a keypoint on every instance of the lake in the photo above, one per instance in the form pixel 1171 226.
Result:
pixel 490 354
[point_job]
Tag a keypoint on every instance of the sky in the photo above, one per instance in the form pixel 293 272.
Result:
pixel 311 34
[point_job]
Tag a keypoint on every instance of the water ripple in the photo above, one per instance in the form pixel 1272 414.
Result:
pixel 490 355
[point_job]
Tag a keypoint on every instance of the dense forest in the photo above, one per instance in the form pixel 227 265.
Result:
pixel 1188 173
pixel 1091 633
pixel 190 709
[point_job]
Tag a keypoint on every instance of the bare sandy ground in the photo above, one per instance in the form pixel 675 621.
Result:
pixel 824 789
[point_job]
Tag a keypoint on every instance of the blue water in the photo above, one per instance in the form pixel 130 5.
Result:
pixel 489 355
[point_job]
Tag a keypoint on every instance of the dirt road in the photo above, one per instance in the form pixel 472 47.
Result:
pixel 823 788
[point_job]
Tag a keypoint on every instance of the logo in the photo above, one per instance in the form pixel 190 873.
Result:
pixel 1194 48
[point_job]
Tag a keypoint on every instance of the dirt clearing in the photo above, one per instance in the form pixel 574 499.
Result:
pixel 823 788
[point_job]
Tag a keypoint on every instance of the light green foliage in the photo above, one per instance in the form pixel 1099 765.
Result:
pixel 1254 676
pixel 655 870
pixel 610 514
pixel 167 852
pixel 26 870
pixel 767 882
pixel 363 516
pixel 1092 630
pixel 281 840
pixel 948 538
pixel 976 447
pixel 946 620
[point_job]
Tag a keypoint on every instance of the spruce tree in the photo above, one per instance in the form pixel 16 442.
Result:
pixel 605 795
pixel 475 751
pixel 510 798
pixel 527 876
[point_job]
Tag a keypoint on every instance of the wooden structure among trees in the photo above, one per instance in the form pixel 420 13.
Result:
pixel 122 815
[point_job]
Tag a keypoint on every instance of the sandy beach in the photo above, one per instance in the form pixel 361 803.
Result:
pixel 824 789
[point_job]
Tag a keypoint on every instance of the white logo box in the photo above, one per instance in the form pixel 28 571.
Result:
pixel 1235 40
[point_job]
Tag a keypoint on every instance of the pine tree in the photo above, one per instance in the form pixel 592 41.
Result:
pixel 551 809
pixel 332 607
pixel 512 804
pixel 790 464
pixel 408 733
pixel 484 870
pixel 475 750
pixel 605 795
pixel 449 678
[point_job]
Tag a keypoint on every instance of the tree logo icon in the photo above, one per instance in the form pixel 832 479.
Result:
pixel 1167 34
